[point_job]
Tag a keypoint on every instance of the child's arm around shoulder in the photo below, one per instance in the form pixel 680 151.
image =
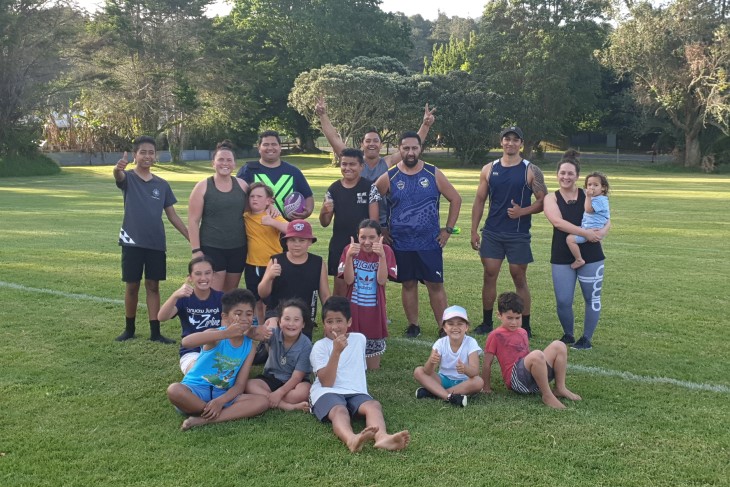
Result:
pixel 210 337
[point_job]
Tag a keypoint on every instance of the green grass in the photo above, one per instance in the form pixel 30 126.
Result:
pixel 18 166
pixel 77 408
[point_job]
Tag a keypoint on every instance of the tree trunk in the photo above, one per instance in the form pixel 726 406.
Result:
pixel 692 152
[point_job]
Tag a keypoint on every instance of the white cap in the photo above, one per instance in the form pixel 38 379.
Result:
pixel 455 312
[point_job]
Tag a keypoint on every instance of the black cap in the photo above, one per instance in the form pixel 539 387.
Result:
pixel 514 130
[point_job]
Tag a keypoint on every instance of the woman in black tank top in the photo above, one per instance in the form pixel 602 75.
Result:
pixel 564 209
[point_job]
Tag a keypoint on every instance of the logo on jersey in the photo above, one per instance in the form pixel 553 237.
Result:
pixel 424 182
pixel 362 198
pixel 400 185
pixel 156 194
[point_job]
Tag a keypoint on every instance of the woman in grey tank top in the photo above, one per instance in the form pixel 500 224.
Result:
pixel 215 219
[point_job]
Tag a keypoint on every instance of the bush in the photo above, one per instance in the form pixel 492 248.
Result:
pixel 27 165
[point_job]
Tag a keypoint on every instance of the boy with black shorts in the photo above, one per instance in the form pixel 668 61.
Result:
pixel 523 371
pixel 340 389
pixel 142 236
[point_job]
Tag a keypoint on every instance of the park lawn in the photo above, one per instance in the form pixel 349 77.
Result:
pixel 77 408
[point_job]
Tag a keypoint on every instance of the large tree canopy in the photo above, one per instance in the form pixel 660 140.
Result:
pixel 33 37
pixel 540 58
pixel 678 58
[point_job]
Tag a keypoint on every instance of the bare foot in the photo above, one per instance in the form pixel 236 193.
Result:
pixel 567 394
pixel 397 441
pixel 192 422
pixel 357 441
pixel 300 406
pixel 578 263
pixel 552 401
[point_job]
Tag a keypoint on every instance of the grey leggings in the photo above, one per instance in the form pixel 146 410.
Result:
pixel 590 277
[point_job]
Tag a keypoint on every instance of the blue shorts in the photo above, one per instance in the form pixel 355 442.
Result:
pixel 352 402
pixel 229 260
pixel 420 265
pixel 448 382
pixel 579 239
pixel 208 393
pixel 514 246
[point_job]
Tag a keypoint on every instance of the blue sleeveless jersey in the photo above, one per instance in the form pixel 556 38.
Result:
pixel 413 204
pixel 507 184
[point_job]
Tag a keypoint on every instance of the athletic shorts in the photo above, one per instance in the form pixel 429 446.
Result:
pixel 420 265
pixel 229 260
pixel 374 347
pixel 188 360
pixel 333 262
pixel 514 246
pixel 273 382
pixel 208 393
pixel 522 382
pixel 137 259
pixel 321 409
pixel 579 239
pixel 448 382
pixel 253 275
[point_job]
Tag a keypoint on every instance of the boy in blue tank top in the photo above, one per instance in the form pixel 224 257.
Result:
pixel 212 391
pixel 509 183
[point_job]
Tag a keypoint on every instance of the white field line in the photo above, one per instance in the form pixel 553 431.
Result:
pixel 82 297
pixel 586 369
pixel 409 341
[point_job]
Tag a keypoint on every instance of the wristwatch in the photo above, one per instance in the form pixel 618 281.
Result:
pixel 449 230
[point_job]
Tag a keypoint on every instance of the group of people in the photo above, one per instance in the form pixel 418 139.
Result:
pixel 386 226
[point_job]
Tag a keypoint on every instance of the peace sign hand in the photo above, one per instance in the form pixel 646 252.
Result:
pixel 321 107
pixel 428 117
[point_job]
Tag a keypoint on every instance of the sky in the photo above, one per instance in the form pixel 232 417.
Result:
pixel 428 9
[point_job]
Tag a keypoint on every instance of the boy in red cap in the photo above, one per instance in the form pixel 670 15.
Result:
pixel 295 274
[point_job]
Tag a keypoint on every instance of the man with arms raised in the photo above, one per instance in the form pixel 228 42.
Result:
pixel 509 182
pixel 371 145
pixel 414 189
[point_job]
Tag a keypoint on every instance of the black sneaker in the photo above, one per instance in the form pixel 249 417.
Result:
pixel 413 331
pixel 457 400
pixel 483 329
pixel 124 336
pixel 567 339
pixel 582 344
pixel 423 393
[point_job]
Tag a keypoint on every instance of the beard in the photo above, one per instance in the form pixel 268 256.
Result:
pixel 410 161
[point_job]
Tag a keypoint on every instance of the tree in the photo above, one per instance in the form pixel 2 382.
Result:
pixel 33 38
pixel 282 38
pixel 450 57
pixel 145 65
pixel 678 58
pixel 357 98
pixel 540 58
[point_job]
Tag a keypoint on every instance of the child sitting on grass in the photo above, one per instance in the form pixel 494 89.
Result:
pixel 456 356
pixel 523 371
pixel 340 389
pixel 285 381
pixel 196 304
pixel 212 391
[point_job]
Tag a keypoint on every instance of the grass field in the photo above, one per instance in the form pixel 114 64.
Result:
pixel 77 408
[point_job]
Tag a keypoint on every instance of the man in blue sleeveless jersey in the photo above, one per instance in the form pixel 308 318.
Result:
pixel 509 182
pixel 414 189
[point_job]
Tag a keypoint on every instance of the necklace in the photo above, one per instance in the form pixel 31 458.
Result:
pixel 282 360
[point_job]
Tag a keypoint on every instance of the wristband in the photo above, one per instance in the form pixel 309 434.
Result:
pixel 197 250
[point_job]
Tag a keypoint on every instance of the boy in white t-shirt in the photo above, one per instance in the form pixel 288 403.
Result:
pixel 456 356
pixel 340 389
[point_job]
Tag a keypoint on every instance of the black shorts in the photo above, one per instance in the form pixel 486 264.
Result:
pixel 273 382
pixel 253 275
pixel 137 259
pixel 229 260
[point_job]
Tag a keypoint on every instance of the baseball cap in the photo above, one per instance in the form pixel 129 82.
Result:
pixel 299 229
pixel 515 130
pixel 455 312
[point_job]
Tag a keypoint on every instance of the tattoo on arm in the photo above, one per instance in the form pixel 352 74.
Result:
pixel 538 180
